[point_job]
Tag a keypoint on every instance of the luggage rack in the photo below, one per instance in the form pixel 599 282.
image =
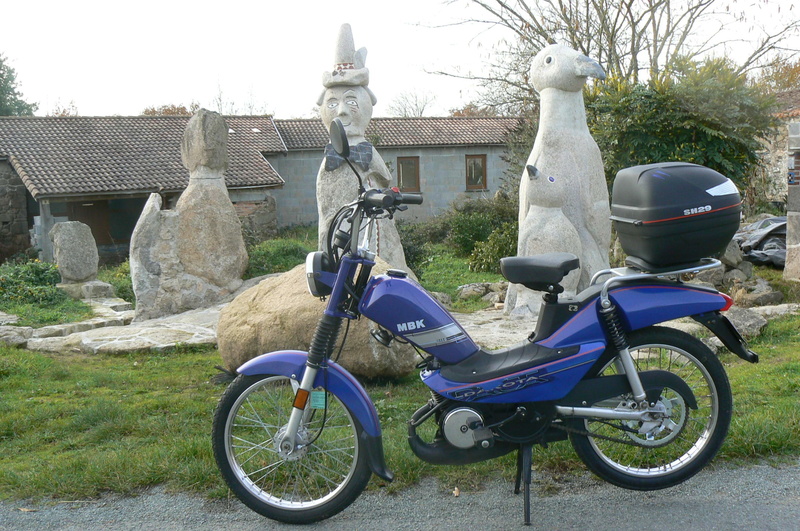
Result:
pixel 622 275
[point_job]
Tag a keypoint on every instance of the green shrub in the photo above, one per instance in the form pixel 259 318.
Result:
pixel 120 277
pixel 501 242
pixel 467 229
pixel 28 290
pixel 30 282
pixel 414 242
pixel 462 226
pixel 276 256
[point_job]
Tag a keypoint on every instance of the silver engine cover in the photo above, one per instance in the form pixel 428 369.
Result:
pixel 456 427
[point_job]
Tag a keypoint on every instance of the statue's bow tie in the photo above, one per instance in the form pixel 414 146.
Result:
pixel 360 154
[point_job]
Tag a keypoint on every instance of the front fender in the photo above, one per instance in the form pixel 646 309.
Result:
pixel 292 364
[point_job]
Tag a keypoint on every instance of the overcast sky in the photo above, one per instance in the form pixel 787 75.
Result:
pixel 117 58
pixel 266 56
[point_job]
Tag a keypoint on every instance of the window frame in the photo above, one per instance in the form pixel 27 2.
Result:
pixel 416 164
pixel 485 184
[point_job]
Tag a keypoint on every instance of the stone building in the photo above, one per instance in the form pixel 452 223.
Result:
pixel 100 171
pixel 782 157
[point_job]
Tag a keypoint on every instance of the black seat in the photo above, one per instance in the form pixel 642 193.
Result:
pixel 488 365
pixel 542 272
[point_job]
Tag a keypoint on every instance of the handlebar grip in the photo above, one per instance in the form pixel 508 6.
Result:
pixel 411 199
pixel 377 199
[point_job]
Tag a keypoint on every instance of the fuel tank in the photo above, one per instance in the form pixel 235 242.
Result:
pixel 403 307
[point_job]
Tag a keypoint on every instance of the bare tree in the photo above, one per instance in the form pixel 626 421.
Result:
pixel 60 110
pixel 410 104
pixel 171 110
pixel 630 38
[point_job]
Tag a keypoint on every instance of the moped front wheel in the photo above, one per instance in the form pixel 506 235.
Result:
pixel 670 451
pixel 325 472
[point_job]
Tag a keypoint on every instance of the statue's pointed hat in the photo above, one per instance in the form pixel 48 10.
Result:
pixel 348 64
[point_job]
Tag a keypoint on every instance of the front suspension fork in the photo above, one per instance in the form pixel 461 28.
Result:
pixel 321 348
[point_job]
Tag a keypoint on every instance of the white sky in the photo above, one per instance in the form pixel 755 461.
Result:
pixel 117 58
pixel 267 56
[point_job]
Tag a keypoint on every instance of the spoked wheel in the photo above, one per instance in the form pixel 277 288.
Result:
pixel 322 475
pixel 665 452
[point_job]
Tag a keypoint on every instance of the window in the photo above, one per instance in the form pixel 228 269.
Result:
pixel 408 174
pixel 476 172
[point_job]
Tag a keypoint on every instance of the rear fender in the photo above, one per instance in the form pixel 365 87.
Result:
pixel 647 304
pixel 727 333
pixel 292 364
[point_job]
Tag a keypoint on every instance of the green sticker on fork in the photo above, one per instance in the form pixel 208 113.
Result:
pixel 318 399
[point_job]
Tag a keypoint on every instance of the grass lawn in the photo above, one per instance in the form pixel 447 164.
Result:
pixel 74 426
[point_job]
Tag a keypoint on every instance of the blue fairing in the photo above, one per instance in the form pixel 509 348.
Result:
pixel 403 307
pixel 640 306
pixel 292 363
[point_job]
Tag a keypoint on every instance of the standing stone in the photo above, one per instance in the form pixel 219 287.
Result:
pixel 565 163
pixel 792 269
pixel 193 256
pixel 75 251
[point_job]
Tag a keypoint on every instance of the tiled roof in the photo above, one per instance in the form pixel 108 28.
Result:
pixel 788 103
pixel 63 156
pixel 405 132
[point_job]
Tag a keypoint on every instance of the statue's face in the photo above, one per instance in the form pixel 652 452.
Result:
pixel 351 104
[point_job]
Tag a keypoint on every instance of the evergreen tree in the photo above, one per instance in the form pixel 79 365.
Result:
pixel 11 102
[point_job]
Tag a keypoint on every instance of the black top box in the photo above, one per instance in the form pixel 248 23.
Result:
pixel 673 213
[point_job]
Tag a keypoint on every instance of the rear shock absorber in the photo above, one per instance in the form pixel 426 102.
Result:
pixel 616 332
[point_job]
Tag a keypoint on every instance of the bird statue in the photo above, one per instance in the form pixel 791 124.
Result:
pixel 563 197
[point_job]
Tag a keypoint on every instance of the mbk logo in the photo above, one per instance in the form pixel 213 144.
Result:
pixel 411 325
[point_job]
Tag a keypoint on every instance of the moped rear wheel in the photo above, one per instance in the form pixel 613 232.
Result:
pixel 685 441
pixel 325 472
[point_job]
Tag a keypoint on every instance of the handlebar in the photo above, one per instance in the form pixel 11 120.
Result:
pixel 390 197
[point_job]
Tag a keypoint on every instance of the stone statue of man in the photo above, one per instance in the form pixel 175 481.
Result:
pixel 347 96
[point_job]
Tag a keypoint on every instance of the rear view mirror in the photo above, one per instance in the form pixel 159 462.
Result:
pixel 339 138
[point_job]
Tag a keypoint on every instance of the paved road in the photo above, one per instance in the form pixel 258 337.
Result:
pixel 758 497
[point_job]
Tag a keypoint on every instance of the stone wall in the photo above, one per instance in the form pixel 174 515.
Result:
pixel 776 164
pixel 259 219
pixel 442 176
pixel 14 235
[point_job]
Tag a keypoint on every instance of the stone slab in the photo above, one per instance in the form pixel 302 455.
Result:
pixel 7 318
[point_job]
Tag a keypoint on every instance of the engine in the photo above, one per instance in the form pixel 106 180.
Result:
pixel 463 427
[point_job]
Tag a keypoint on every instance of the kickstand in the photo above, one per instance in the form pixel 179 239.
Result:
pixel 524 478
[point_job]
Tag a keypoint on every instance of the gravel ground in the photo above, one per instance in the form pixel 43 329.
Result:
pixel 756 497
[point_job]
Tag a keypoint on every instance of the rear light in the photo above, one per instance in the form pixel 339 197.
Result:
pixel 728 303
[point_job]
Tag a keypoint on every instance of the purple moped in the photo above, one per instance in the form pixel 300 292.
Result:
pixel 645 407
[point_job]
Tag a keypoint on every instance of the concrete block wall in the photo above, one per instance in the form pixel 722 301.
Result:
pixel 442 176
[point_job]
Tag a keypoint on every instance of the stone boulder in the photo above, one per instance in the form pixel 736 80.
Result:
pixel 747 322
pixel 280 314
pixel 75 251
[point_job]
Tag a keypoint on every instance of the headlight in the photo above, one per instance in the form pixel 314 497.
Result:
pixel 317 268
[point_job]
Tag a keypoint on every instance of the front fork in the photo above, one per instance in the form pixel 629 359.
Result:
pixel 321 348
